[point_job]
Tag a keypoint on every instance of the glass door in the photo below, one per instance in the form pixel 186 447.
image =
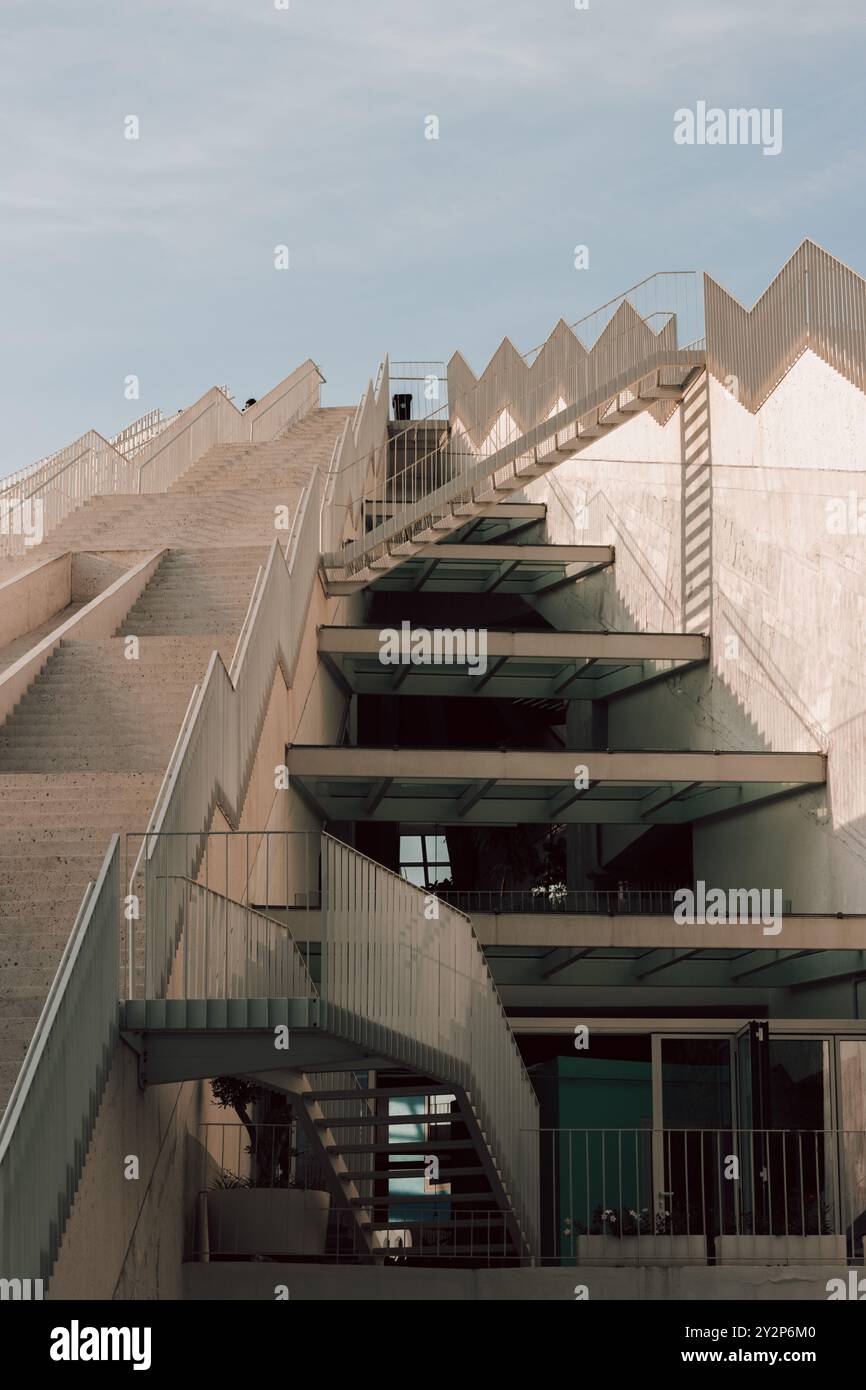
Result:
pixel 851 1072
pixel 693 1134
pixel 752 1078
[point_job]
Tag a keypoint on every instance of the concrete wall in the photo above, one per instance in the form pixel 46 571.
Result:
pixel 125 1237
pixel 330 1283
pixel 34 596
pixel 788 598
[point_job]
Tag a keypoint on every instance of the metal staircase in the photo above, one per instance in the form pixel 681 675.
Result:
pixel 402 993
pixel 505 429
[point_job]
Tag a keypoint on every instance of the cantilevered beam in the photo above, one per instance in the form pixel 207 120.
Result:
pixel 535 645
pixel 526 554
pixel 472 795
pixel 542 764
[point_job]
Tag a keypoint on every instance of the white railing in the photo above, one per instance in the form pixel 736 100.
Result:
pixel 82 470
pixel 46 1129
pixel 93 466
pixel 215 419
pixel 664 1196
pixel 360 453
pixel 521 405
pixel 417 987
pixel 227 949
pixel 212 762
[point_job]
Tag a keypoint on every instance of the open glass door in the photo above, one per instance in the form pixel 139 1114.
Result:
pixel 852 1144
pixel 752 1074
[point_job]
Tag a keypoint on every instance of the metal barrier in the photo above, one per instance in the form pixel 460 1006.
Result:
pixel 557 898
pixel 213 759
pixel 520 405
pixel 407 976
pixel 149 459
pixel 46 1129
pixel 691 1196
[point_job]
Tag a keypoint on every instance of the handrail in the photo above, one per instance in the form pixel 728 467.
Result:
pixel 425 995
pixel 46 1130
pixel 137 865
pixel 188 426
pixel 213 759
pixel 93 466
pixel 513 407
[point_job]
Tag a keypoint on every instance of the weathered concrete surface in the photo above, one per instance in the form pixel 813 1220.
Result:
pixel 330 1283
pixel 788 596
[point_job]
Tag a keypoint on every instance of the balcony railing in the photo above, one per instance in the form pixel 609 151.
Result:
pixel 555 898
pixel 692 1196
pixel 257 1192
pixel 609 1197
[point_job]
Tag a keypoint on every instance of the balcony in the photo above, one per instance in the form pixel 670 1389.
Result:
pixel 702 1196
pixel 609 1197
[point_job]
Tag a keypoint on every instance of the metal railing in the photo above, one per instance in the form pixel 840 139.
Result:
pixel 520 406
pixel 257 1191
pixel 426 385
pixel 213 759
pixel 46 1129
pixel 557 898
pixel 409 979
pixel 814 302
pixel 225 949
pixel 93 466
pixel 650 1196
pixel 400 973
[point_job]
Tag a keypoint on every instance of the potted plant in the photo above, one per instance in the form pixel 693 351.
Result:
pixel 629 1236
pixel 800 1233
pixel 265 1211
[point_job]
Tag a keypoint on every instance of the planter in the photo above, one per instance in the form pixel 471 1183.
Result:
pixel 641 1250
pixel 781 1250
pixel 267 1221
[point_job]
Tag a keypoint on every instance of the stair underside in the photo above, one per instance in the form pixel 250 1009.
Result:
pixel 496 476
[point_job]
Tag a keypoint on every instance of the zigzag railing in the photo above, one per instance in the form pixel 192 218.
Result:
pixel 213 760
pixel 93 466
pixel 46 1129
pixel 814 302
pixel 522 416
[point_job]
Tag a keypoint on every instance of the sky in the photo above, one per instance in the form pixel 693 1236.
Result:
pixel 306 126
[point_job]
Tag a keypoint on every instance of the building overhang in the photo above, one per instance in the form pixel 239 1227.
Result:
pixel 480 787
pixel 485 568
pixel 534 664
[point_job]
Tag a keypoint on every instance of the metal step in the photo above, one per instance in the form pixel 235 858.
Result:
pixel 386 1120
pixel 416 1146
pixel 421 1199
pixel 409 1170
pixel 383 1093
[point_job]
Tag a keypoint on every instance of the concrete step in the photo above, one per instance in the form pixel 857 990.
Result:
pixel 45 908
pixel 87 761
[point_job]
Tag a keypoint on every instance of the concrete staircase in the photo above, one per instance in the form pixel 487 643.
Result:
pixel 53 831
pixel 94 710
pixel 83 753
pixel 197 591
pixel 268 467
pixel 237 518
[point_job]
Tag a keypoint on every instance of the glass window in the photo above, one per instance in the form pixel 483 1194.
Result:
pixel 424 860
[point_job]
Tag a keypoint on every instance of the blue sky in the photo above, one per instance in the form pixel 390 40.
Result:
pixel 305 127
